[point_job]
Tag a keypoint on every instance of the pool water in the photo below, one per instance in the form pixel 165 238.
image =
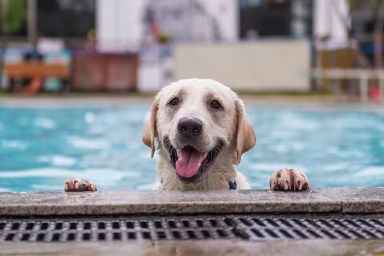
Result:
pixel 41 147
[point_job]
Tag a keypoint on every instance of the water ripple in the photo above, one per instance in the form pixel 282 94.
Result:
pixel 40 147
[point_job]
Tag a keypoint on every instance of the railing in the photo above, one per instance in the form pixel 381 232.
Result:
pixel 363 75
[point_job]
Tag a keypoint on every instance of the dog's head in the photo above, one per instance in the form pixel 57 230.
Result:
pixel 197 122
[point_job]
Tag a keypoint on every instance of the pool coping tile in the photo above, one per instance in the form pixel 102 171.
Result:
pixel 340 200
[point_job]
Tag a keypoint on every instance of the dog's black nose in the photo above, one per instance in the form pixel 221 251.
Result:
pixel 190 126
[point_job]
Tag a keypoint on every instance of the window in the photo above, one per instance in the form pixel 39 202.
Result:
pixel 65 18
pixel 260 18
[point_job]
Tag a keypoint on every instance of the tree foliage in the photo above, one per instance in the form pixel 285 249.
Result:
pixel 13 14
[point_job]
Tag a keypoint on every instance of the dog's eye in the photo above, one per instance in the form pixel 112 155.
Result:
pixel 216 105
pixel 174 102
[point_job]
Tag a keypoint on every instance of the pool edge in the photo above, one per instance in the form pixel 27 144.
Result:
pixel 330 200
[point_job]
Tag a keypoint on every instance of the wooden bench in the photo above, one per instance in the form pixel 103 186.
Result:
pixel 37 72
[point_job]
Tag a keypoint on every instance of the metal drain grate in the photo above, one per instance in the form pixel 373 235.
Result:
pixel 249 227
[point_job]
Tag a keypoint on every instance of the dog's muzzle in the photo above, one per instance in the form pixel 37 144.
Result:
pixel 189 162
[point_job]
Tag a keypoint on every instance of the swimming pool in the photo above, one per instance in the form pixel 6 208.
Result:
pixel 42 146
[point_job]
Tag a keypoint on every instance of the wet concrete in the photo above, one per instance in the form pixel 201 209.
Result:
pixel 348 200
pixel 203 248
pixel 339 201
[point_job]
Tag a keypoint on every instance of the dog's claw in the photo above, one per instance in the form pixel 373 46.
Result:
pixel 289 179
pixel 79 185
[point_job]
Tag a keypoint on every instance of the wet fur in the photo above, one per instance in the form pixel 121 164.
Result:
pixel 231 126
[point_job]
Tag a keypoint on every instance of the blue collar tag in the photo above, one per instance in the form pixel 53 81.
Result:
pixel 232 185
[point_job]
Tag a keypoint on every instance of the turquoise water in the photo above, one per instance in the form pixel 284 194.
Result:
pixel 41 147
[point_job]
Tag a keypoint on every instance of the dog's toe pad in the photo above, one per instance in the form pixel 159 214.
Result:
pixel 289 179
pixel 79 185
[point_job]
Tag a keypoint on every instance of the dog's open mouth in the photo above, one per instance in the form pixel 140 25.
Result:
pixel 190 163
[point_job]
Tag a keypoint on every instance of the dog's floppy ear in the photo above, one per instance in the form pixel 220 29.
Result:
pixel 245 135
pixel 150 132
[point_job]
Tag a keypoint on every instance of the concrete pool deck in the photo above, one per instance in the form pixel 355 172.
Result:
pixel 338 200
pixel 201 248
pixel 118 99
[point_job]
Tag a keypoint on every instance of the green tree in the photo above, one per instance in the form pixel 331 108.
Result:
pixel 13 14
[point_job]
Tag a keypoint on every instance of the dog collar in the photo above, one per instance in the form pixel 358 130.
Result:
pixel 232 185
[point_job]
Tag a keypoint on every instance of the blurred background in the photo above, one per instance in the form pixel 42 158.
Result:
pixel 302 46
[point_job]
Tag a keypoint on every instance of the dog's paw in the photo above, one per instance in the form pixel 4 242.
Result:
pixel 79 185
pixel 288 179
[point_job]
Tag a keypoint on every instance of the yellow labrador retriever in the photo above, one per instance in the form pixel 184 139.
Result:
pixel 202 130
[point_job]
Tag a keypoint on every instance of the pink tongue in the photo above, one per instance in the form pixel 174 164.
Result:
pixel 189 161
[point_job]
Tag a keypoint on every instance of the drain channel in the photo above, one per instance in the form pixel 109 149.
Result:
pixel 247 227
